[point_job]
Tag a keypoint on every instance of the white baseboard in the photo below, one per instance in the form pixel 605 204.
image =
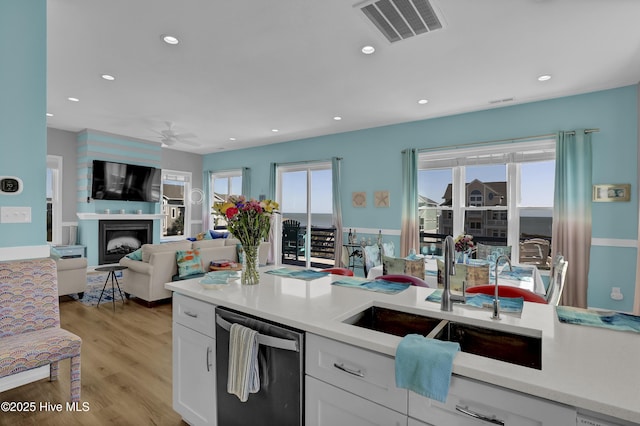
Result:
pixel 23 378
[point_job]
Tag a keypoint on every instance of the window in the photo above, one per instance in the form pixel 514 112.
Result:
pixel 176 206
pixel 222 185
pixel 500 194
pixel 54 201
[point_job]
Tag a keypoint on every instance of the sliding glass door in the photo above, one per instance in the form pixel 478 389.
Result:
pixel 305 196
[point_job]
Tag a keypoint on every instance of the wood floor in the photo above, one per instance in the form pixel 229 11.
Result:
pixel 126 369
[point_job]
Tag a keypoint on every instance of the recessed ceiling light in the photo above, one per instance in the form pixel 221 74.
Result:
pixel 49 114
pixel 275 130
pixel 544 77
pixel 169 39
pixel 337 118
pixel 423 101
pixel 368 50
pixel 108 77
pixel 74 99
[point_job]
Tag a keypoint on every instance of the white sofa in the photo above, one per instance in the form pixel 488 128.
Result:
pixel 72 276
pixel 146 279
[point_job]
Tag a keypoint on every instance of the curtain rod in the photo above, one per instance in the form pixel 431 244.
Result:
pixel 295 163
pixel 523 138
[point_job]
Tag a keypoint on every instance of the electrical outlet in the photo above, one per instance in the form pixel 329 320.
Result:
pixel 616 294
pixel 582 420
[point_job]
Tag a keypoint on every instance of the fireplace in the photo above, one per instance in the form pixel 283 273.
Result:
pixel 117 238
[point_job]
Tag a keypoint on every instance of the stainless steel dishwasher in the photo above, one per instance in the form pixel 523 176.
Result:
pixel 281 364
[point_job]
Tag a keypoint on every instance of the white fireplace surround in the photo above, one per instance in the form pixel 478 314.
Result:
pixel 118 216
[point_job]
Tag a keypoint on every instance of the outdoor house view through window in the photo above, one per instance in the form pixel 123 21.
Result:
pixel 175 188
pixel 222 186
pixel 475 192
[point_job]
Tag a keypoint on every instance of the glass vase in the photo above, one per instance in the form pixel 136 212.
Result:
pixel 462 257
pixel 250 274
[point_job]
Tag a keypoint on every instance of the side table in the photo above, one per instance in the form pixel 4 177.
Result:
pixel 112 269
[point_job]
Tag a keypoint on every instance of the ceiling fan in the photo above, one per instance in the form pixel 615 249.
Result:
pixel 170 137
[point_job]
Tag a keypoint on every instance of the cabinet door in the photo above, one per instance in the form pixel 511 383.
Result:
pixel 326 405
pixel 470 401
pixel 194 380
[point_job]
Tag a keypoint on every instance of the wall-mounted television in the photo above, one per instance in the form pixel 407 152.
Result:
pixel 125 182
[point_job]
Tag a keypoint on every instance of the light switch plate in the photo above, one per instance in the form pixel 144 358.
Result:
pixel 15 214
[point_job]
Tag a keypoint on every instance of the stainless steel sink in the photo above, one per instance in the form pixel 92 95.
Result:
pixel 496 344
pixel 394 322
pixel 501 345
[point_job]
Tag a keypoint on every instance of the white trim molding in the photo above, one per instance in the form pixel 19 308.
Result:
pixel 24 252
pixel 614 242
pixel 19 379
pixel 118 216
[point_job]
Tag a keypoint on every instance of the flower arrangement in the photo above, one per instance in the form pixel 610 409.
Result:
pixel 249 221
pixel 463 242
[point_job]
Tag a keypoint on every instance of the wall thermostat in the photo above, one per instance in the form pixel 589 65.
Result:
pixel 10 185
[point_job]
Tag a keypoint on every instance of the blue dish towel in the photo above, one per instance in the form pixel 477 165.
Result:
pixel 424 366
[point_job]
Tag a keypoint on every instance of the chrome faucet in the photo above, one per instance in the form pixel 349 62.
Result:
pixel 448 299
pixel 496 301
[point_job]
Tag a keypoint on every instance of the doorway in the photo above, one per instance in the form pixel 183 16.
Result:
pixel 304 193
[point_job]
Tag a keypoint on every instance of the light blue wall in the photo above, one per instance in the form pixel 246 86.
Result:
pixel 372 161
pixel 22 115
pixel 94 145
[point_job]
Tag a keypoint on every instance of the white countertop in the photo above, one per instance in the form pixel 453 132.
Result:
pixel 585 367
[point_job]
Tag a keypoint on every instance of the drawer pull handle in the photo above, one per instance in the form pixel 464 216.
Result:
pixel 190 314
pixel 348 370
pixel 466 411
pixel 208 363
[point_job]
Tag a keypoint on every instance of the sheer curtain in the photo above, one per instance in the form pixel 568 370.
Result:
pixel 207 201
pixel 409 231
pixel 271 258
pixel 337 209
pixel 571 234
pixel 246 182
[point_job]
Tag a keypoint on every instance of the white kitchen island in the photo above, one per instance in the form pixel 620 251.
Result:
pixel 590 369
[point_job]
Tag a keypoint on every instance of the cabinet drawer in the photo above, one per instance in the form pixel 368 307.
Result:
pixel 326 405
pixel 195 314
pixel 365 373
pixel 480 399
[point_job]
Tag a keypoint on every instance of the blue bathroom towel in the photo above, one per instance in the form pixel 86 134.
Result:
pixel 424 365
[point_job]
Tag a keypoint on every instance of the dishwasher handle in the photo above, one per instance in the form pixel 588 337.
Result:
pixel 274 342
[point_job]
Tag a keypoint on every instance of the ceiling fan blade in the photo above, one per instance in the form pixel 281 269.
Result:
pixel 185 135
pixel 187 142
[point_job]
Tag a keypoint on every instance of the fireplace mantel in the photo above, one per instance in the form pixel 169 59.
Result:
pixel 118 216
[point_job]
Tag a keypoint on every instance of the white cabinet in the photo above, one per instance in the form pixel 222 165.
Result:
pixel 472 403
pixel 327 405
pixel 347 385
pixel 194 364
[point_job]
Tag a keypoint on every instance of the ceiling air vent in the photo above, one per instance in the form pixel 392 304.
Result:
pixel 401 19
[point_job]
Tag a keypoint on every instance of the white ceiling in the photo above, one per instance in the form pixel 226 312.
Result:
pixel 245 67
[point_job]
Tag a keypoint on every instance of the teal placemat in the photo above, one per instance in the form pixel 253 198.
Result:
pixel 301 274
pixel 380 286
pixel 479 300
pixel 589 317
